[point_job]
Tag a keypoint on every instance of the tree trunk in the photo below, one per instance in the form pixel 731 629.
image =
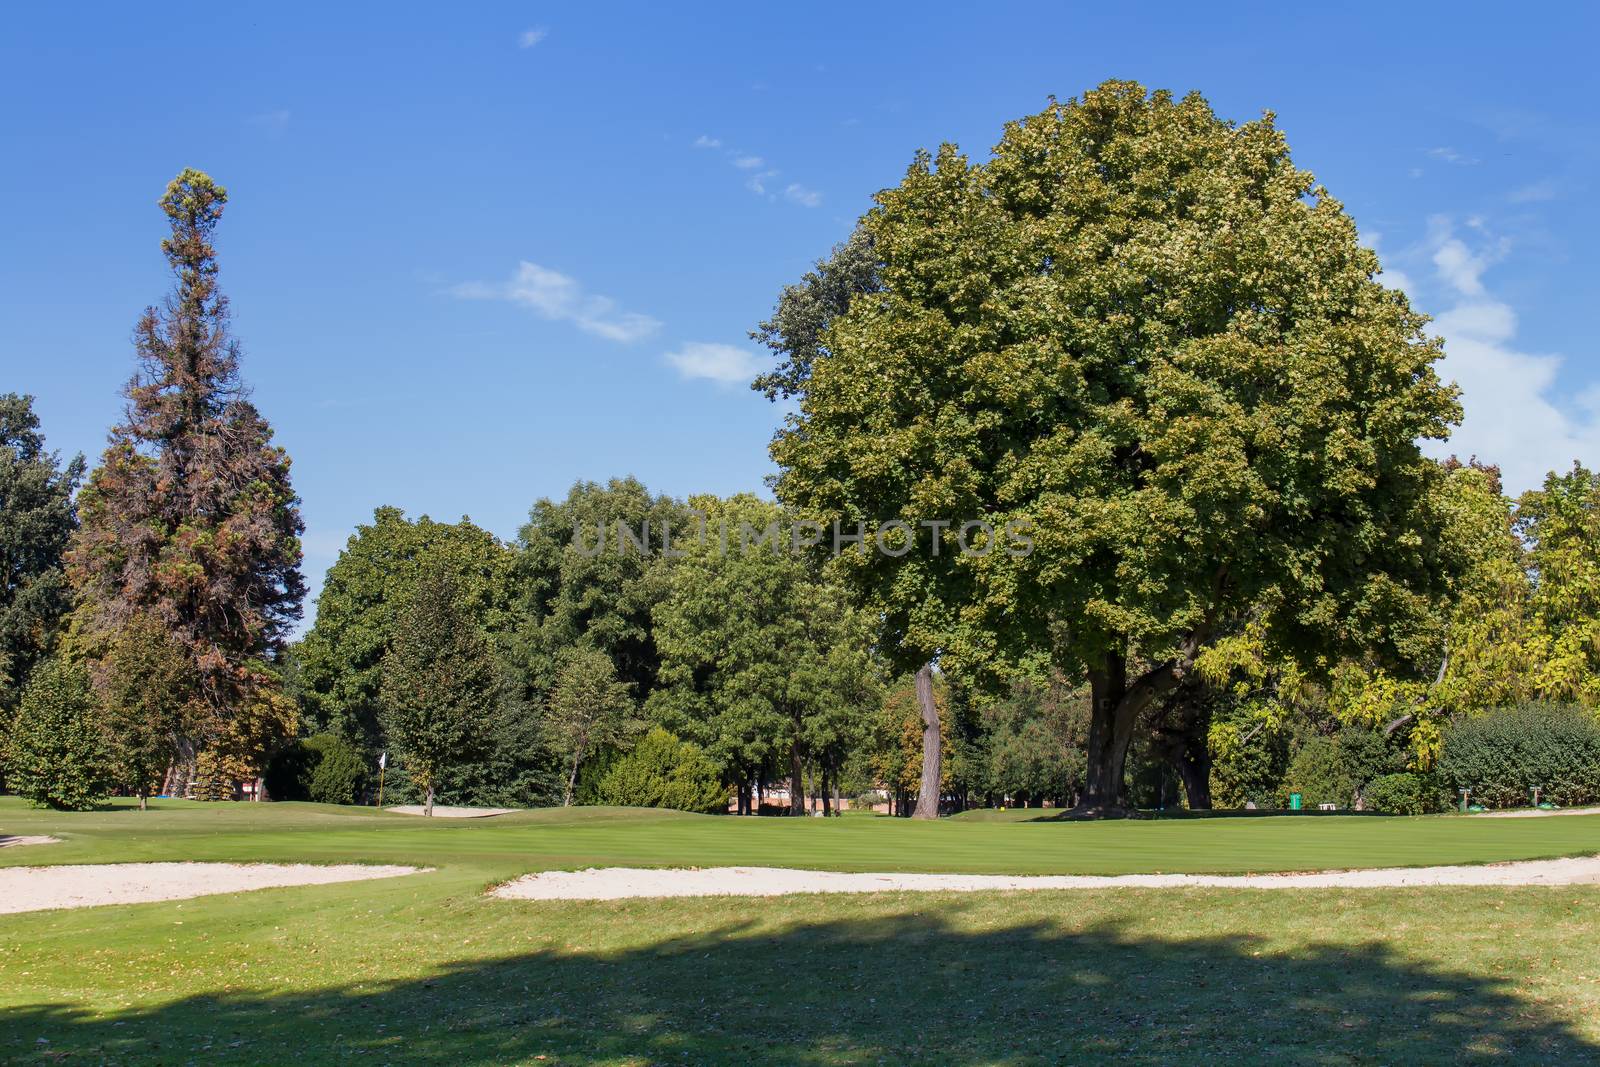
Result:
pixel 1194 767
pixel 797 781
pixel 932 752
pixel 1107 753
pixel 572 780
pixel 427 808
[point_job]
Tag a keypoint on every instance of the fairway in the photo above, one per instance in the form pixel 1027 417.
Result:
pixel 426 969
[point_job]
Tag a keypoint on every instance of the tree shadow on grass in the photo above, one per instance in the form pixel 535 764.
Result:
pixel 911 987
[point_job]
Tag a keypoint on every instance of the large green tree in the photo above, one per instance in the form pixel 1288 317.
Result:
pixel 441 683
pixel 762 658
pixel 1560 522
pixel 55 754
pixel 145 685
pixel 589 570
pixel 339 663
pixel 1143 340
pixel 190 518
pixel 588 711
pixel 36 522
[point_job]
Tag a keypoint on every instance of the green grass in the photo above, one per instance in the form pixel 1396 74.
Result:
pixel 425 969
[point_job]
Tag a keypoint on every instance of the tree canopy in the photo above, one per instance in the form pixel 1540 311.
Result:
pixel 1145 336
pixel 36 523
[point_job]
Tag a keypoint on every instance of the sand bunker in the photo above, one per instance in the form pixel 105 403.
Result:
pixel 1534 813
pixel 41 839
pixel 87 885
pixel 614 883
pixel 441 811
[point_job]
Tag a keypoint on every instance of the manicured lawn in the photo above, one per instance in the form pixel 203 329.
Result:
pixel 424 969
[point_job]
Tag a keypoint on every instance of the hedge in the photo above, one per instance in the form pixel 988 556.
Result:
pixel 1501 755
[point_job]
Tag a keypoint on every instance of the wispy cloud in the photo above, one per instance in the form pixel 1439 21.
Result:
pixel 1515 412
pixel 560 298
pixel 1450 155
pixel 760 175
pixel 723 364
pixel 757 183
pixel 796 193
pixel 529 38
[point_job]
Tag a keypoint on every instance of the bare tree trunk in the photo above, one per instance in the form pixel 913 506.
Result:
pixel 822 787
pixel 932 752
pixel 572 783
pixel 427 808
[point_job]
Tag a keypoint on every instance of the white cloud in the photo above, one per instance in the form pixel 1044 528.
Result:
pixel 1514 415
pixel 799 194
pixel 560 298
pixel 1450 155
pixel 529 38
pixel 723 364
pixel 703 141
pixel 748 162
pixel 757 183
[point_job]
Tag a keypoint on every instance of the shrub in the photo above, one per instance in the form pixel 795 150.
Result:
pixel 1402 794
pixel 56 753
pixel 664 772
pixel 1501 755
pixel 1318 773
pixel 324 768
pixel 340 772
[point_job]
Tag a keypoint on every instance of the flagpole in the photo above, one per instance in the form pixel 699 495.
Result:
pixel 383 761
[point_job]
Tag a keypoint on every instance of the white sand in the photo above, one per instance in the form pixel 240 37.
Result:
pixel 87 885
pixel 614 883
pixel 42 839
pixel 1533 813
pixel 441 811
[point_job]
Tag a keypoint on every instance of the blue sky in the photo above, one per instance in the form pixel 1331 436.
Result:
pixel 477 252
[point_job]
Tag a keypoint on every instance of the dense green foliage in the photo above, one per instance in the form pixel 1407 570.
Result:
pixel 146 684
pixel 763 662
pixel 662 771
pixel 1131 331
pixel 588 571
pixel 1403 793
pixel 590 710
pixel 55 753
pixel 340 661
pixel 440 682
pixel 36 522
pixel 1502 755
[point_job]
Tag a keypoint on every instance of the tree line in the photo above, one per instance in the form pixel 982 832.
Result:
pixel 1136 330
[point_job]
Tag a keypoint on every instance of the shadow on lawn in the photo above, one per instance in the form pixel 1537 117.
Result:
pixel 905 988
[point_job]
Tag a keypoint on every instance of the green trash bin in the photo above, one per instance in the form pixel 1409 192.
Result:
pixel 1294 801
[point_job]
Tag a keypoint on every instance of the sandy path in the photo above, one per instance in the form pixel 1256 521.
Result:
pixel 441 811
pixel 87 885
pixel 614 883
pixel 42 839
pixel 1532 813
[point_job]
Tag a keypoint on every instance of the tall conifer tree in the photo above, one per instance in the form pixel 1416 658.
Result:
pixel 190 518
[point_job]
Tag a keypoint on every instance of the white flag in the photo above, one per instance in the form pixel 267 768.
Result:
pixel 383 760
